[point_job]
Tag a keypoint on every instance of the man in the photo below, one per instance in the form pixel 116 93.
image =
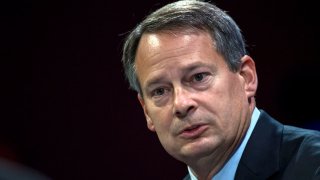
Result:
pixel 196 85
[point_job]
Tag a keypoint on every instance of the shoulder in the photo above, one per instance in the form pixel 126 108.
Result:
pixel 277 151
pixel 300 152
pixel 300 139
pixel 10 170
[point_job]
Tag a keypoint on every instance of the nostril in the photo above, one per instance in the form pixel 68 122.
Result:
pixel 184 112
pixel 190 108
pixel 178 113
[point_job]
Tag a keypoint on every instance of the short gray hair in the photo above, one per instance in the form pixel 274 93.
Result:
pixel 182 16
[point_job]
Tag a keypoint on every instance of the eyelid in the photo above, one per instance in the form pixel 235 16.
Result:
pixel 205 74
pixel 153 90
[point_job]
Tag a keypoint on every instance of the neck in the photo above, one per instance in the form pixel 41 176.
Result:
pixel 207 167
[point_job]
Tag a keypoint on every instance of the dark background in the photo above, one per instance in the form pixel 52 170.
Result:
pixel 66 109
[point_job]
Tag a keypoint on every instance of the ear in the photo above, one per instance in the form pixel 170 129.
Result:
pixel 149 120
pixel 249 74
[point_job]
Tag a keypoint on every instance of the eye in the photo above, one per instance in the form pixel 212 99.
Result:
pixel 199 77
pixel 158 92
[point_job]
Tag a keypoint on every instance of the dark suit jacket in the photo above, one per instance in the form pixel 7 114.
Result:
pixel 277 151
pixel 13 171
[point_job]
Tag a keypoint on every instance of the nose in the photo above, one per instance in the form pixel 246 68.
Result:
pixel 183 103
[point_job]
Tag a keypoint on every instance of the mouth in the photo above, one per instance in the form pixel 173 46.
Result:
pixel 193 131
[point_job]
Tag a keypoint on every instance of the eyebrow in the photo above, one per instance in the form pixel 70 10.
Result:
pixel 195 65
pixel 153 81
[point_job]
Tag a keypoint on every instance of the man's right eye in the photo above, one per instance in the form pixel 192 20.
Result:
pixel 158 92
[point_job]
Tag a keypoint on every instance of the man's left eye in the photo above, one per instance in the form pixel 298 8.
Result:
pixel 199 77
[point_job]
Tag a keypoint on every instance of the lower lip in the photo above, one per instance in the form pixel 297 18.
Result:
pixel 194 133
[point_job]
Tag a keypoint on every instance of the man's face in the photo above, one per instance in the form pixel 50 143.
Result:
pixel 194 103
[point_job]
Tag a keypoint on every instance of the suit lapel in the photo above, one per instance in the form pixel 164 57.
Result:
pixel 260 158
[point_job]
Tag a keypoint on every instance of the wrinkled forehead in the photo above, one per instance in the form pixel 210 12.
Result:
pixel 151 36
pixel 166 42
pixel 163 51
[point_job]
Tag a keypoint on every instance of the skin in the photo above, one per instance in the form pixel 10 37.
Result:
pixel 199 109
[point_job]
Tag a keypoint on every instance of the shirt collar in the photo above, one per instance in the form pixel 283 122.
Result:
pixel 229 169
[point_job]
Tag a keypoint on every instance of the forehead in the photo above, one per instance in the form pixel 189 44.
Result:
pixel 166 44
pixel 156 39
pixel 161 54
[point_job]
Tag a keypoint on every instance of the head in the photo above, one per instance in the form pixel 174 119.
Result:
pixel 188 63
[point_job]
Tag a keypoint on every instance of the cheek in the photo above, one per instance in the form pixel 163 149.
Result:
pixel 225 102
pixel 161 118
pixel 163 124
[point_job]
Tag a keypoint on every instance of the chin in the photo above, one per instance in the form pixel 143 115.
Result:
pixel 198 149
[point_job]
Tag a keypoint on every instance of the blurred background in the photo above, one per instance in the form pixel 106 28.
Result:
pixel 67 112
